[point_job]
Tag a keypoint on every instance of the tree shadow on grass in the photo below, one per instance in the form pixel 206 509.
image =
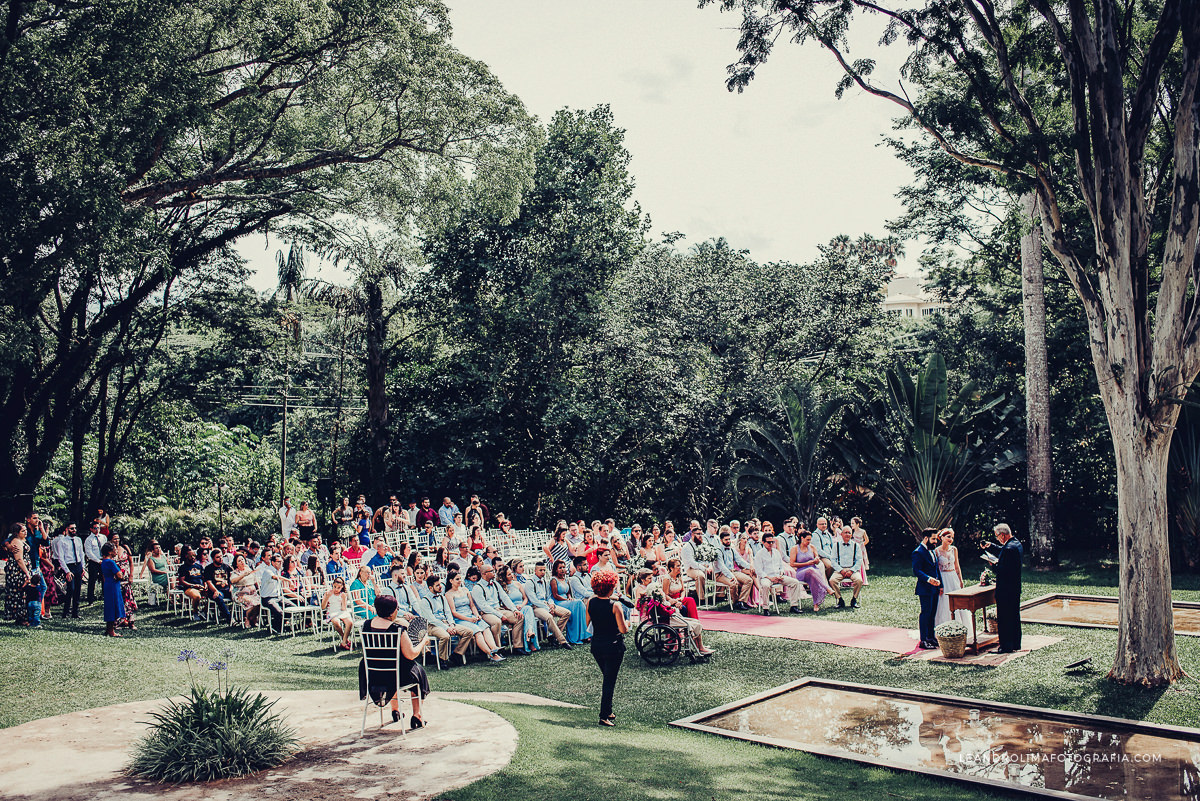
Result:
pixel 563 754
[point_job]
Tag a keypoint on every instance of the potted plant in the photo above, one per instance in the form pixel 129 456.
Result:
pixel 993 626
pixel 951 638
pixel 987 577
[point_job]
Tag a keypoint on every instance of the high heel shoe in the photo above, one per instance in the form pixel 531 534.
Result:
pixel 396 716
pixel 415 723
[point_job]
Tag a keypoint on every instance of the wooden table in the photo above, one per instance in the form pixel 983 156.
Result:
pixel 971 599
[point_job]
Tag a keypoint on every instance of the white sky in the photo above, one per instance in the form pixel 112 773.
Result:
pixel 776 170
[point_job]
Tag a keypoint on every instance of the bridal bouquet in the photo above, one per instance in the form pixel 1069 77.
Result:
pixel 705 553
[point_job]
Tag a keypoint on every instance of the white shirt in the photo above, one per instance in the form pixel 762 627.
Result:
pixel 92 546
pixel 768 563
pixel 287 520
pixel 67 551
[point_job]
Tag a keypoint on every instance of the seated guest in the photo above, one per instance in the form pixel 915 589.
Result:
pixel 674 586
pixel 366 590
pixel 493 604
pixel 537 589
pixel 810 570
pixel 560 591
pixel 580 580
pixel 336 566
pixel 190 580
pixel 464 613
pixel 336 605
pixel 519 601
pixel 477 543
pixel 411 593
pixel 773 571
pixel 730 572
pixel 642 585
pixel 462 560
pixel 847 566
pixel 382 686
pixel 244 583
pixel 270 590
pixel 697 571
pixel 430 604
pixel 441 563
pixel 557 549
pixel 354 553
pixel 216 587
pixel 382 556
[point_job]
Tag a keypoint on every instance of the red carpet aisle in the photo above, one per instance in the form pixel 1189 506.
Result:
pixel 812 628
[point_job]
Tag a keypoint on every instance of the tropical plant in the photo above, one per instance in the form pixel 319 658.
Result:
pixel 929 455
pixel 212 734
pixel 779 465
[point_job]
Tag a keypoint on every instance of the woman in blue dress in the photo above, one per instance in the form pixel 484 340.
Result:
pixel 577 629
pixel 114 598
pixel 516 593
pixel 468 617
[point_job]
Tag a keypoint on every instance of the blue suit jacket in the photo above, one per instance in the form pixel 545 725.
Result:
pixel 924 567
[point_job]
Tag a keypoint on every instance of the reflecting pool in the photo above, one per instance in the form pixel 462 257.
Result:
pixel 1095 610
pixel 1027 748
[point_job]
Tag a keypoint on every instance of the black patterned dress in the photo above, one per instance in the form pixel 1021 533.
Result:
pixel 14 584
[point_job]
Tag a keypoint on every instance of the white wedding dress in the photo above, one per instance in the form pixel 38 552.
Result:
pixel 950 582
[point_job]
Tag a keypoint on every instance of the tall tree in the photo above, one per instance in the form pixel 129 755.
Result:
pixel 525 291
pixel 139 140
pixel 1039 460
pixel 1126 75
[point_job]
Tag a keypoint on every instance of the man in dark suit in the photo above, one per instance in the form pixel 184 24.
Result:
pixel 929 586
pixel 1008 588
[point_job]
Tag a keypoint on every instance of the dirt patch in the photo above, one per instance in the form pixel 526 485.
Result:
pixel 81 755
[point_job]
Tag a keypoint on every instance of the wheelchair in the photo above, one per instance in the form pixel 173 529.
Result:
pixel 660 644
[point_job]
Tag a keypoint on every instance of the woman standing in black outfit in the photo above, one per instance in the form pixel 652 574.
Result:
pixel 608 638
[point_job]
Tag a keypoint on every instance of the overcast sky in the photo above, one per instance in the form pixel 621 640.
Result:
pixel 776 170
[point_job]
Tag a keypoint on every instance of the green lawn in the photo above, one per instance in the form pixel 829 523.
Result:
pixel 562 753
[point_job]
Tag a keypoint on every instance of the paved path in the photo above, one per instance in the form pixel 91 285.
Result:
pixel 80 755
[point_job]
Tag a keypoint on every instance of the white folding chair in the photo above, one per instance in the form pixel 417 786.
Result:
pixel 381 658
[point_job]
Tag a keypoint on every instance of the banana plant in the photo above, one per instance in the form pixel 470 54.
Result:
pixel 778 465
pixel 929 454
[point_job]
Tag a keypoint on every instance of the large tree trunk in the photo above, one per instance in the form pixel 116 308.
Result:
pixel 377 401
pixel 1146 634
pixel 1039 460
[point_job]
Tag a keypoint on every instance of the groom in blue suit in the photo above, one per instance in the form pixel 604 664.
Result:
pixel 929 585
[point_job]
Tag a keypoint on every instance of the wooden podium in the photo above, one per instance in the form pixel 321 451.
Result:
pixel 971 599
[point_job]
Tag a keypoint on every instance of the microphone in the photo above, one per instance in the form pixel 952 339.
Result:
pixel 625 600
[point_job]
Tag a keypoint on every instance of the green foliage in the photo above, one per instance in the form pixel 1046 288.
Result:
pixel 929 453
pixel 213 734
pixel 780 464
pixel 170 526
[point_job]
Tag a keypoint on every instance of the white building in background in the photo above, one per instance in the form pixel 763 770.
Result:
pixel 906 298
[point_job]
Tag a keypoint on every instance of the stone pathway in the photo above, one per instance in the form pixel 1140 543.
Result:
pixel 81 755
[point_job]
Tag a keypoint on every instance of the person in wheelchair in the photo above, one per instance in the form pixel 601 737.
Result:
pixel 652 602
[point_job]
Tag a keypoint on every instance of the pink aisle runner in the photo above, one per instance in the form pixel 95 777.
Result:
pixel 811 628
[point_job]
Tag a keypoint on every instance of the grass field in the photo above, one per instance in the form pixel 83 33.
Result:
pixel 563 754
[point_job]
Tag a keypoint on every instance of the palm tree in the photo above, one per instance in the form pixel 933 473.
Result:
pixel 778 466
pixel 928 454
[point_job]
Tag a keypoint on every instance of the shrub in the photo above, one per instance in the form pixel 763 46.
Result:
pixel 169 526
pixel 951 628
pixel 213 734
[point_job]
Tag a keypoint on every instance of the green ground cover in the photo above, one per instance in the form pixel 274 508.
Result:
pixel 562 753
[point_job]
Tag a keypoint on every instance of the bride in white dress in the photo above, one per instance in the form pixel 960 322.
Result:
pixel 947 559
